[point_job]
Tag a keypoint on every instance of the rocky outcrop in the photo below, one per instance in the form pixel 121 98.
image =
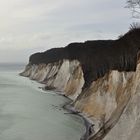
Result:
pixel 101 77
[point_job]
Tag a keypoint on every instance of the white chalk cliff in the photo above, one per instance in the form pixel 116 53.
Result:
pixel 103 83
pixel 65 76
pixel 113 100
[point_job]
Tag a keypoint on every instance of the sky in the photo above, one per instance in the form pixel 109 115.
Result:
pixel 29 26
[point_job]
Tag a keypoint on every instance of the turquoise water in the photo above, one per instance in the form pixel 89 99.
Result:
pixel 28 113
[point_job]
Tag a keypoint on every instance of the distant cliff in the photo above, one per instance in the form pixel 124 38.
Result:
pixel 101 77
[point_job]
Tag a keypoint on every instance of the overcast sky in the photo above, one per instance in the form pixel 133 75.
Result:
pixel 28 26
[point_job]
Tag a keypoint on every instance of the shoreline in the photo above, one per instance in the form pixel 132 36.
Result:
pixel 89 127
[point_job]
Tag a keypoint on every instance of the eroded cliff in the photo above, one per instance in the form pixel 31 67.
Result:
pixel 101 77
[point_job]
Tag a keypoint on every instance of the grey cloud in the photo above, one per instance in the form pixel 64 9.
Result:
pixel 28 26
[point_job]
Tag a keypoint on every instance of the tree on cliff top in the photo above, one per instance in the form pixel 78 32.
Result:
pixel 134 5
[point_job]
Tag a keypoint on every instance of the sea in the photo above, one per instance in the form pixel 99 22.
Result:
pixel 29 113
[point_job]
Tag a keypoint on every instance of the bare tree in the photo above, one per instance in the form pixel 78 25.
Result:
pixel 134 5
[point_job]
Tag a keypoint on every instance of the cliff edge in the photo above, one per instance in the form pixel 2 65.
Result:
pixel 102 78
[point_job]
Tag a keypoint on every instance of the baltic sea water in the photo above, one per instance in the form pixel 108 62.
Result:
pixel 28 113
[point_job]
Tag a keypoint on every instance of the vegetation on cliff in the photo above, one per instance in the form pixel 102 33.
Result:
pixel 97 57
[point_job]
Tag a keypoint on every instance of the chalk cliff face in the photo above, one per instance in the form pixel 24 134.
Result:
pixel 64 76
pixel 101 77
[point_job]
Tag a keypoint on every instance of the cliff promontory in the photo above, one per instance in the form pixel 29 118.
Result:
pixel 102 78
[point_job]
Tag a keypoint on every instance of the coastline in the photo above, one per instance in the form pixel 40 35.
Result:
pixel 87 122
pixel 88 125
